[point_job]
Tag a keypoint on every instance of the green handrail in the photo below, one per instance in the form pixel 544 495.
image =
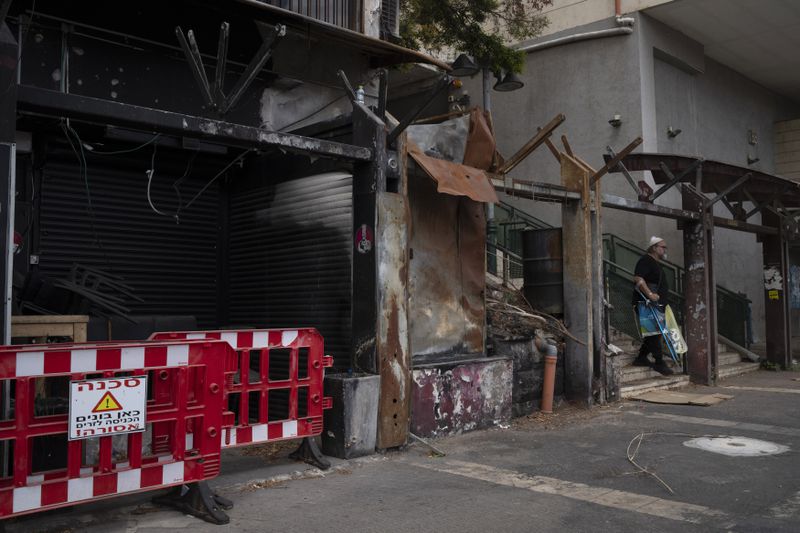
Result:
pixel 732 307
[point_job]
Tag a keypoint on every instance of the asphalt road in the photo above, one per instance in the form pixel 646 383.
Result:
pixel 568 472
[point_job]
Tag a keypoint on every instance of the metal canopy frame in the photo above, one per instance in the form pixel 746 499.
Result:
pixel 53 103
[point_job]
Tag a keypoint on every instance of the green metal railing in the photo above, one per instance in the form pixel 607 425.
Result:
pixel 511 222
pixel 620 257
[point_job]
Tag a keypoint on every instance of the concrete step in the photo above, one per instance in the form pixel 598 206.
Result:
pixel 636 373
pixel 728 358
pixel 737 369
pixel 641 386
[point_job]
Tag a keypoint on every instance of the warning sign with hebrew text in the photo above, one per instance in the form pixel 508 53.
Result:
pixel 101 407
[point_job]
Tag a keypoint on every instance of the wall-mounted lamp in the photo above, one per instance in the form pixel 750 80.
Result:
pixel 616 121
pixel 510 82
pixel 672 132
pixel 464 66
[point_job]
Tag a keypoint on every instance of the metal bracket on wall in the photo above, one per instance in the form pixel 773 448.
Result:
pixel 213 94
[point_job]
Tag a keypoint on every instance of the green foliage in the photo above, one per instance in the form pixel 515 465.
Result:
pixel 473 26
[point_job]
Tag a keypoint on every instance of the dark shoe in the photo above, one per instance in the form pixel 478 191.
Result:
pixel 663 369
pixel 641 361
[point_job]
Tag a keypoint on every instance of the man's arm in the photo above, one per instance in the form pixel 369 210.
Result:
pixel 641 284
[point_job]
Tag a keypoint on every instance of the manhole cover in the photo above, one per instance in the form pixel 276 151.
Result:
pixel 737 446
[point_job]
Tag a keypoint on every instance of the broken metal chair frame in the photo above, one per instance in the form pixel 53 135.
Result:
pixel 213 94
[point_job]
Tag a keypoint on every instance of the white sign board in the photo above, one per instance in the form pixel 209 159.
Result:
pixel 101 407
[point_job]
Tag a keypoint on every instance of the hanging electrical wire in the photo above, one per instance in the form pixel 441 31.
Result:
pixel 218 174
pixel 127 151
pixel 76 145
pixel 150 173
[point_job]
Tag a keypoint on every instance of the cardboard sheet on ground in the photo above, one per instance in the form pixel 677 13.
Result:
pixel 682 398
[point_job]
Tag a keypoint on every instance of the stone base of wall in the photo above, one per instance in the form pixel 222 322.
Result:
pixel 528 374
pixel 453 397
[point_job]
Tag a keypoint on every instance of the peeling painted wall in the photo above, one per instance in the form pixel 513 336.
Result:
pixel 447 313
pixel 451 399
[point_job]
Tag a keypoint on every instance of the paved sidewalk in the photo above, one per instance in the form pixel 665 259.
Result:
pixel 568 472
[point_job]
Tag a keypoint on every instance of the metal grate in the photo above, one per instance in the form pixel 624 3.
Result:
pixel 337 12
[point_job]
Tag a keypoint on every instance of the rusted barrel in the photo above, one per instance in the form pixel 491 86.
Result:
pixel 543 269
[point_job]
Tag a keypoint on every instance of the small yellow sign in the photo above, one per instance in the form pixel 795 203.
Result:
pixel 107 403
pixel 774 295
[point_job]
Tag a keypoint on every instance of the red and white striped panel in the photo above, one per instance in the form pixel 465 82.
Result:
pixel 259 433
pixel 98 359
pixel 57 493
pixel 240 339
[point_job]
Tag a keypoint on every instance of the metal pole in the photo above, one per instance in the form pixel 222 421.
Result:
pixel 491 226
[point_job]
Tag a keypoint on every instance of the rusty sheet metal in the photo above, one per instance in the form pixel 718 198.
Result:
pixel 481 144
pixel 577 245
pixel 394 356
pixel 446 274
pixel 454 178
pixel 454 398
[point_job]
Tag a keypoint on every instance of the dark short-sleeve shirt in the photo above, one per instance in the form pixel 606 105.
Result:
pixel 648 269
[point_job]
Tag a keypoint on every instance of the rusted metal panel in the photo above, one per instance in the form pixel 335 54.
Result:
pixel 394 359
pixel 776 295
pixel 577 243
pixel 454 178
pixel 446 275
pixel 699 291
pixel 717 175
pixel 454 398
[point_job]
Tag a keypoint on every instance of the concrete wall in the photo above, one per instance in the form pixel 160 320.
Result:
pixel 565 14
pixel 589 82
pixel 715 108
pixel 787 149
pixel 456 397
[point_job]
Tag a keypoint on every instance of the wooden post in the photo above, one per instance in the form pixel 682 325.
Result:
pixel 699 290
pixel 776 300
pixel 578 274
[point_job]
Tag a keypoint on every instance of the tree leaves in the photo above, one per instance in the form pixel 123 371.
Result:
pixel 476 27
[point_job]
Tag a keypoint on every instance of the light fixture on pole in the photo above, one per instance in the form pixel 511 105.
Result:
pixel 464 66
pixel 510 82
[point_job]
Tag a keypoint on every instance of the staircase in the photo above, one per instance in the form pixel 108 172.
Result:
pixel 639 379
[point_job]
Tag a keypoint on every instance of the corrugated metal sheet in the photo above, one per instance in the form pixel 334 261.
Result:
pixel 290 257
pixel 173 267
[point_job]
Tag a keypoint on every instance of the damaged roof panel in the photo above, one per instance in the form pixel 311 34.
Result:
pixel 454 178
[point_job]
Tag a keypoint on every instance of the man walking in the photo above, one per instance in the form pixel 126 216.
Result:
pixel 649 280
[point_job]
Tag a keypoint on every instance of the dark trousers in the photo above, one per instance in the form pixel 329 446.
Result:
pixel 652 344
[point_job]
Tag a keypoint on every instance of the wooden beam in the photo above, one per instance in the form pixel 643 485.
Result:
pixel 531 145
pixel 567 147
pixel 553 149
pixel 614 161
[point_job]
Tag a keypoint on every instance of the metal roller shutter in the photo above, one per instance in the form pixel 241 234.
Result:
pixel 173 267
pixel 290 263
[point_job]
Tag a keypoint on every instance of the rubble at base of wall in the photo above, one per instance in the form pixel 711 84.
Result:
pixel 528 372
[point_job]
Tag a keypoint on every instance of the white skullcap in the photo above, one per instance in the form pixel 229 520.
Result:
pixel 653 241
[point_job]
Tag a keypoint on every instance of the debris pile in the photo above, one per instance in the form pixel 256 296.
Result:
pixel 510 316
